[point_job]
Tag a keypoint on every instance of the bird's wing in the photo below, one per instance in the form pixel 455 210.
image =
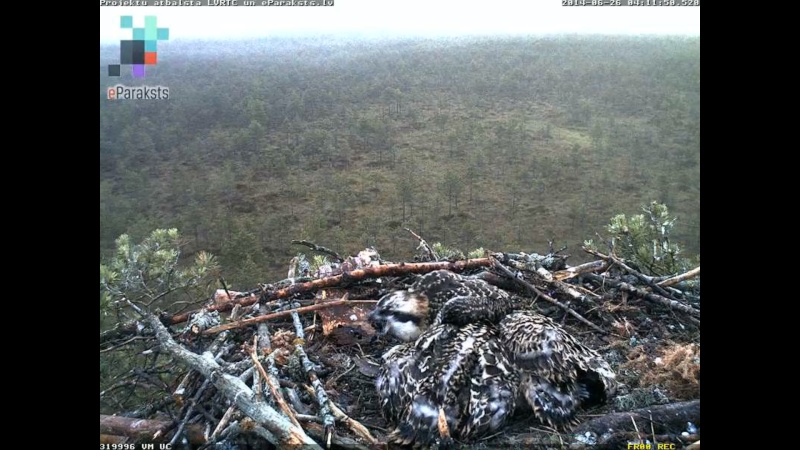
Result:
pixel 461 300
pixel 540 346
pixel 393 380
pixel 460 381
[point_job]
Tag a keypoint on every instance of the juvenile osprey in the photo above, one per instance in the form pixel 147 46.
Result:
pixel 452 382
pixel 439 297
pixel 465 374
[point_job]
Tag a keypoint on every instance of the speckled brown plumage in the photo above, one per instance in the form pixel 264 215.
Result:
pixel 477 362
pixel 558 373
pixel 461 300
pixel 462 371
pixel 440 297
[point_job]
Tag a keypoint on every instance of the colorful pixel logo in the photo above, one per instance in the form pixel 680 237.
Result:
pixel 142 50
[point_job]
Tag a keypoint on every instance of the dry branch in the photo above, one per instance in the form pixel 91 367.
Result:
pixel 264 318
pixel 648 280
pixel 318 248
pixel 229 432
pixel 655 298
pixel 567 289
pixel 538 265
pixel 188 413
pixel 263 432
pixel 285 433
pixel 594 266
pixel 222 423
pixel 534 290
pixel 276 393
pixel 422 243
pixel 297 404
pixel 264 344
pixel 318 431
pixel 354 425
pixel 121 330
pixel 682 277
pixel 321 396
pixel 386 270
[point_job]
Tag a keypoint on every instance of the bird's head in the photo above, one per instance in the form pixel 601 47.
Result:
pixel 401 314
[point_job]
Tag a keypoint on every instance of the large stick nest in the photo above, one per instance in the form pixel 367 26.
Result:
pixel 293 362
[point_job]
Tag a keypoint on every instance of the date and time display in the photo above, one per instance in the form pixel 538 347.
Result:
pixel 125 446
pixel 630 2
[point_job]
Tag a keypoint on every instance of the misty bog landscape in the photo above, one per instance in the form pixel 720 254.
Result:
pixel 419 150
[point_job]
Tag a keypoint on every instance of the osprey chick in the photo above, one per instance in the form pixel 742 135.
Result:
pixel 468 361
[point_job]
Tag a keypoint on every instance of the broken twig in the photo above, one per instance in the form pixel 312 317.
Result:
pixel 351 423
pixel 189 411
pixel 534 290
pixel 222 423
pixel 655 298
pixel 285 433
pixel 422 243
pixel 682 277
pixel 276 393
pixel 648 280
pixel 570 272
pixel 319 248
pixel 259 319
pixel 321 396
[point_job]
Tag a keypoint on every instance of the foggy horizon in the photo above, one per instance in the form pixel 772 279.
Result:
pixel 411 19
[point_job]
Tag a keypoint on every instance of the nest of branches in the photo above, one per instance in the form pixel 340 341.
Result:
pixel 292 363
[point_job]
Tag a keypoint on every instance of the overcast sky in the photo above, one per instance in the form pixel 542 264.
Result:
pixel 405 17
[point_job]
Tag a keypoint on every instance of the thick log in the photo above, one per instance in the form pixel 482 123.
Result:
pixel 611 431
pixel 112 439
pixel 145 430
pixel 668 418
